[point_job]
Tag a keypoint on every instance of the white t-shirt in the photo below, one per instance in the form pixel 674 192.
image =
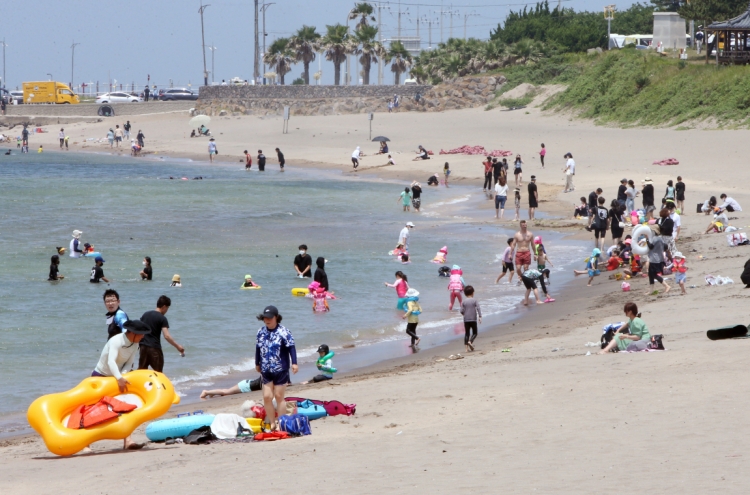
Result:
pixel 676 219
pixel 731 202
pixel 571 167
pixel 501 190
pixel 403 237
pixel 72 250
pixel 117 356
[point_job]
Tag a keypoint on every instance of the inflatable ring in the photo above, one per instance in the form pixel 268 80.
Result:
pixel 300 292
pixel 93 254
pixel 48 415
pixel 642 230
pixel 254 287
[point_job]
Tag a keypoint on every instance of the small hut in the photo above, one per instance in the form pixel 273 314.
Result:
pixel 732 39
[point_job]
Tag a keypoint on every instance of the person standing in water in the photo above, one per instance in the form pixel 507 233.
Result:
pixel 523 240
pixel 403 237
pixel 151 352
pixel 54 274
pixel 248 160
pixel 320 273
pixel 405 199
pixel 212 149
pixel 147 272
pixel 274 349
pixel 413 310
pixel 416 195
pixel 97 272
pixel 75 245
pixel 303 262
pixel 261 161
pixel 280 156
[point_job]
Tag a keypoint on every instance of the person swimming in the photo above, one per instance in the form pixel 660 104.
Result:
pixel 176 282
pixel 249 282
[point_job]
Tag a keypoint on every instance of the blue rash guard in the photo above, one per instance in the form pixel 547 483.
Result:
pixel 274 348
pixel 116 323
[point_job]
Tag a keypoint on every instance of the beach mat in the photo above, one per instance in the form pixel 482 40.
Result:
pixel 730 332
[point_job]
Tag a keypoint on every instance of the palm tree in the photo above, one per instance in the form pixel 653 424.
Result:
pixel 280 57
pixel 336 46
pixel 368 49
pixel 363 11
pixel 401 60
pixel 525 51
pixel 305 44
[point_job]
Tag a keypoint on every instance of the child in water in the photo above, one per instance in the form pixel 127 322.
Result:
pixel 456 286
pixel 507 263
pixel 402 286
pixel 249 282
pixel 406 199
pixel 442 256
pixel 320 305
pixel 413 310
pixel 405 259
pixel 541 257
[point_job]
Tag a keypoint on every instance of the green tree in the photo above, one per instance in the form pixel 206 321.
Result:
pixel 368 49
pixel 713 10
pixel 280 57
pixel 305 44
pixel 401 60
pixel 668 5
pixel 364 12
pixel 336 46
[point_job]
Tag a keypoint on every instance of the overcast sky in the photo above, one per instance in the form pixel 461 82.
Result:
pixel 126 41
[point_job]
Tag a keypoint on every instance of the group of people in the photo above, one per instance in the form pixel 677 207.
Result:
pixel 249 159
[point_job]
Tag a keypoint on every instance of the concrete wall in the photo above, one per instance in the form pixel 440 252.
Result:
pixel 301 92
pixel 91 109
pixel 670 30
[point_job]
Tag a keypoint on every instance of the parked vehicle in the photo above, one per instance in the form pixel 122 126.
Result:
pixel 18 96
pixel 177 94
pixel 49 92
pixel 118 98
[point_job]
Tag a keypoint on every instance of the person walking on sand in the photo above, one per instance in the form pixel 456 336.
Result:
pixel 111 138
pixel 282 161
pixel 647 195
pixel 405 199
pixel 517 203
pixel 248 160
pixel 570 171
pixel 472 317
pixel 518 170
pixel 497 170
pixel 118 136
pixel 274 349
pixel 533 197
pixel 140 137
pixel 356 156
pixel 501 196
pixel 212 149
pixel 61 135
pixel 413 310
pixel 542 154
pixel 126 127
pixel 656 264
pixel 487 166
pixel 151 351
pixel 523 239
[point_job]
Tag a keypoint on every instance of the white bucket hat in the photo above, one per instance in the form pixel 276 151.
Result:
pixel 412 293
pixel 77 233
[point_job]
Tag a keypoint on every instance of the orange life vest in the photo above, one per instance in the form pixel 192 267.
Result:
pixel 106 409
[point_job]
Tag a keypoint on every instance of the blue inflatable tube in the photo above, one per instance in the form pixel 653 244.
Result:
pixel 177 427
pixel 93 255
pixel 312 411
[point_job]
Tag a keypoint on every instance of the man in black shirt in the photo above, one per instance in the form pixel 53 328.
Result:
pixel 25 136
pixel 416 195
pixel 97 272
pixel 280 155
pixel 151 352
pixel 622 192
pixel 647 193
pixel 593 196
pixel 303 262
pixel 533 197
pixel 261 161
pixel 496 169
pixel 147 272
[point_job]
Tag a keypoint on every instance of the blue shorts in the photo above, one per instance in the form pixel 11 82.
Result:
pixel 277 378
pixel 680 277
pixel 244 386
pixel 593 273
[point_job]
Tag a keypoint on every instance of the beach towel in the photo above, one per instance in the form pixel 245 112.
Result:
pixel 667 161
pixel 227 425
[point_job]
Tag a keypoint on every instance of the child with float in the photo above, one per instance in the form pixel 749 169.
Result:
pixel 456 285
pixel 413 310
pixel 324 365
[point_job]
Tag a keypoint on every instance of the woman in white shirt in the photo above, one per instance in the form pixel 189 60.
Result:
pixel 501 195
pixel 631 193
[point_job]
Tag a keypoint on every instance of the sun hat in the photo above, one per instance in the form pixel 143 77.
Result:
pixel 647 180
pixel 137 327
pixel 77 233
pixel 248 276
pixel 176 278
pixel 99 259
pixel 538 239
pixel 410 224
pixel 444 249
pixel 596 252
pixel 678 255
pixel 412 292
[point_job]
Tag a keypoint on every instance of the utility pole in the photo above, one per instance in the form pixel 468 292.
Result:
pixel 203 43
pixel 264 8
pixel 441 21
pixel 256 65
pixel 72 63
pixel 609 14
pixel 5 81
pixel 466 16
pixel 380 37
pixel 452 13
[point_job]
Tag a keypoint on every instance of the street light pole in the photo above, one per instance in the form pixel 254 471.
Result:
pixel 5 81
pixel 466 16
pixel 264 8
pixel 256 65
pixel 72 63
pixel 213 72
pixel 609 14
pixel 203 39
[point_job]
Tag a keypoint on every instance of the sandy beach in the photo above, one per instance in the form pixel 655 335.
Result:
pixel 543 417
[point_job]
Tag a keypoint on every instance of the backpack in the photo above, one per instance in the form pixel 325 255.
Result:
pixel 200 435
pixel 656 343
pixel 295 424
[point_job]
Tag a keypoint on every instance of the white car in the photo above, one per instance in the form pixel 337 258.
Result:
pixel 118 98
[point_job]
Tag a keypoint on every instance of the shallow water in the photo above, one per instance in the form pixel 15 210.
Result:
pixel 212 232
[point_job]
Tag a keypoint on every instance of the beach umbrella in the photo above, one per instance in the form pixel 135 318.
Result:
pixel 379 139
pixel 200 120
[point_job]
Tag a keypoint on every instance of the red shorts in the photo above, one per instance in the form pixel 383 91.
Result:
pixel 523 258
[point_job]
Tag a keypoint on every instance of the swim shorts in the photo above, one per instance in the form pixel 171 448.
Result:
pixel 593 273
pixel 246 386
pixel 528 283
pixel 533 203
pixel 277 378
pixel 680 277
pixel 508 267
pixel 523 258
pixel 151 356
pixel 541 268
pixel 600 233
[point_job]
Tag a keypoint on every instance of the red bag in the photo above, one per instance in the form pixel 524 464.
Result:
pixel 259 411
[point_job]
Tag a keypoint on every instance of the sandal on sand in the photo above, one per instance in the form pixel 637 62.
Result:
pixel 549 300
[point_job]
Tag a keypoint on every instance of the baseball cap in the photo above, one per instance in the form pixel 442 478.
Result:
pixel 137 327
pixel 623 180
pixel 409 224
pixel 533 177
pixel 99 259
pixel 269 312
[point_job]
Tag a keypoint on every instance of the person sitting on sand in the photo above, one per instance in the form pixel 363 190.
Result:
pixel 422 154
pixel 581 210
pixel 383 148
pixel 243 387
pixel 324 365
pixel 390 161
pixel 249 282
pixel 192 133
pixel 637 336
pixel 709 205
pixel 592 266
pixel 434 180
pixel 718 224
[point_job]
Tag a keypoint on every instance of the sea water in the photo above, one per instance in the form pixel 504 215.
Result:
pixel 212 231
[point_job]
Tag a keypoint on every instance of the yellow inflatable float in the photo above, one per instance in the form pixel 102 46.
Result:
pixel 49 414
pixel 300 291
